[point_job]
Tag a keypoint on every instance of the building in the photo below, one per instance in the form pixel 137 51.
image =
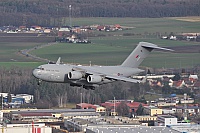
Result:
pixel 152 110
pixel 50 115
pixel 147 118
pixel 1 116
pixel 186 127
pixel 188 100
pixel 130 129
pixel 164 120
pixel 165 104
pixel 85 106
pixel 27 98
pixel 25 128
pixel 99 109
pixel 111 106
pixel 188 109
pixel 80 113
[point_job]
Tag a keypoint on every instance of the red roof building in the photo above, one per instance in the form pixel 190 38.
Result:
pixel 132 105
pixel 178 84
pixel 85 106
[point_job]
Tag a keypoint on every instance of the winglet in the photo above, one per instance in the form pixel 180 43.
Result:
pixel 58 61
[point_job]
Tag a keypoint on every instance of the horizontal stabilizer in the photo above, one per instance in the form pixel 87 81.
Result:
pixel 153 46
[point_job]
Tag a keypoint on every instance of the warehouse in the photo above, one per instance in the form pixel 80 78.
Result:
pixel 26 128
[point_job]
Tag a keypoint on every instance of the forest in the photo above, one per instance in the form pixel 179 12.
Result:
pixel 48 12
pixel 47 95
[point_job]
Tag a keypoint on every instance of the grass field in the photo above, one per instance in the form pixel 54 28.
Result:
pixel 113 51
pixel 114 48
pixel 10 57
pixel 149 25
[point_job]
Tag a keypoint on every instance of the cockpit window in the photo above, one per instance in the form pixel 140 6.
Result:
pixel 40 68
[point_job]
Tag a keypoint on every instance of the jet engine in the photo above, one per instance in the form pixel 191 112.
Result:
pixel 94 79
pixel 75 75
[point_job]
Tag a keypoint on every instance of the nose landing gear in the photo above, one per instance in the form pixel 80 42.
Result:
pixel 39 81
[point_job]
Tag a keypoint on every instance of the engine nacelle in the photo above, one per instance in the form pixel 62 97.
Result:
pixel 75 75
pixel 94 79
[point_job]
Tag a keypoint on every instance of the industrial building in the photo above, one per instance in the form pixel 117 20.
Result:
pixel 25 128
pixel 49 115
pixel 129 129
pixel 164 120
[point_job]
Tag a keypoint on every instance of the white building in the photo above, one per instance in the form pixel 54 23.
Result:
pixel 164 120
pixel 26 128
pixel 188 109
pixel 188 100
pixel 27 98
pixel 1 116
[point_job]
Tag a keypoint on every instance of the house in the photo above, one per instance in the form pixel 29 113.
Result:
pixel 85 106
pixel 178 84
pixel 165 104
pixel 193 78
pixel 152 110
pixel 155 83
pixel 99 109
pixel 47 30
pixel 187 100
pixel 172 37
pixel 117 27
pixel 188 109
pixel 36 27
pixel 196 85
pixel 133 106
pixel 101 28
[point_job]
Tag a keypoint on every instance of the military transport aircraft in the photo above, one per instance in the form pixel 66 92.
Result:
pixel 92 76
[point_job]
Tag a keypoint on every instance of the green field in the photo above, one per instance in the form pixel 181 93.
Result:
pixel 114 48
pixel 142 25
pixel 10 57
pixel 107 51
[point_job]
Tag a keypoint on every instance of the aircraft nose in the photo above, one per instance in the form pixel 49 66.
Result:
pixel 35 73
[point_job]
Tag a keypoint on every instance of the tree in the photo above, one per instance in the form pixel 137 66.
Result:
pixel 122 109
pixel 176 77
pixel 9 98
pixel 140 110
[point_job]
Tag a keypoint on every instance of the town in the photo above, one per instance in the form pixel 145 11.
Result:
pixel 174 106
pixel 168 113
pixel 80 34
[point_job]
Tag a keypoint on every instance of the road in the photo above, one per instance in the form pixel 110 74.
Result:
pixel 26 52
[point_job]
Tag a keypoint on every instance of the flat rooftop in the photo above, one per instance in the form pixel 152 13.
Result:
pixel 140 129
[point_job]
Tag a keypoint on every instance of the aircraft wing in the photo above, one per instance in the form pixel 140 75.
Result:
pixel 123 79
pixel 89 71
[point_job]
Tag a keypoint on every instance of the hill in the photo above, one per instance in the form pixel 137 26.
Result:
pixel 52 12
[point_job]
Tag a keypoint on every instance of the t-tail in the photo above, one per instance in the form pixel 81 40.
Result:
pixel 140 53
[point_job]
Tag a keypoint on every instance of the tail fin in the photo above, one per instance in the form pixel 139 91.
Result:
pixel 58 61
pixel 140 53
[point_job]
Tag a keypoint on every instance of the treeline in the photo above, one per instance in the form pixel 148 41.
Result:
pixel 20 81
pixel 51 12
